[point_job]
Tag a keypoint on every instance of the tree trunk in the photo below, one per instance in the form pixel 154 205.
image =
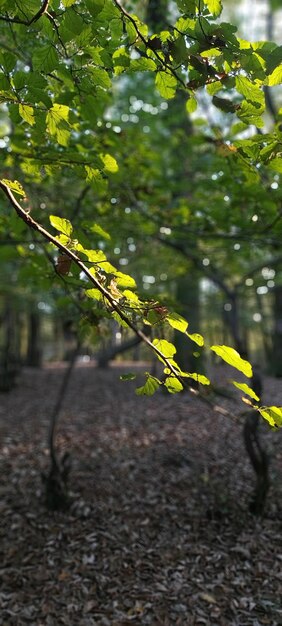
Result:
pixel 277 333
pixel 34 352
pixel 188 297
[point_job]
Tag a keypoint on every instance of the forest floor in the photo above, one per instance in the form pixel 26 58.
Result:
pixel 158 531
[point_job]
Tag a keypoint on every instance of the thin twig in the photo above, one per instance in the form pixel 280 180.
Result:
pixel 16 20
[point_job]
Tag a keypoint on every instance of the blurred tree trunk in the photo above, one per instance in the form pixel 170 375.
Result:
pixel 277 332
pixel 10 353
pixel 34 350
pixel 188 296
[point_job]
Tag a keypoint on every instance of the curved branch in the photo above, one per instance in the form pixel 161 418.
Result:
pixel 15 20
pixel 31 223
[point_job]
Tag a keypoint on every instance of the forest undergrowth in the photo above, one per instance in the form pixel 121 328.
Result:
pixel 158 531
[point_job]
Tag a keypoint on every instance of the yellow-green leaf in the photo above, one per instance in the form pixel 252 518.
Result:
pixel 249 90
pixel 130 295
pixel 124 280
pixel 273 415
pixel 27 114
pixel 232 357
pixel 62 225
pixel 55 115
pixel 173 385
pixel 177 322
pixel 246 389
pixel 197 338
pixel 166 84
pixel 150 387
pixel 165 347
pixel 276 77
pixel 94 293
pixel 96 228
pixel 110 163
pixel 14 185
pixel 191 104
pixel 94 256
pixel 214 6
pixel 199 378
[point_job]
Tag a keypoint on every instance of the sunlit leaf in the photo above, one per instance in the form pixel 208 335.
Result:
pixel 110 163
pixel 14 185
pixel 96 228
pixel 27 113
pixel 166 84
pixel 94 293
pixel 165 347
pixel 177 322
pixel 197 338
pixel 276 77
pixel 150 387
pixel 124 280
pixel 199 378
pixel 246 389
pixel 232 357
pixel 61 224
pixel 273 415
pixel 173 385
pixel 214 6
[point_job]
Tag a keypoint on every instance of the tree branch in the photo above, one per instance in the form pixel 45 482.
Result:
pixel 16 20
pixel 31 223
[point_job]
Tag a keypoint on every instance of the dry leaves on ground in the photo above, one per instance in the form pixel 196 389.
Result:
pixel 158 532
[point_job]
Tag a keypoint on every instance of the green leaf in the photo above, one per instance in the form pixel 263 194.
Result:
pixel 214 87
pixel 57 121
pixel 128 376
pixel 45 59
pixel 249 90
pixel 276 77
pixel 110 163
pixel 61 224
pixel 96 179
pixel 214 6
pixel 232 357
pixel 246 389
pixel 96 228
pixel 276 164
pixel 143 65
pixel 14 185
pixel 173 385
pixel 166 84
pixel 94 256
pixel 165 347
pixel 27 113
pixel 95 294
pixel 199 378
pixel 150 387
pixel 124 280
pixel 273 415
pixel 100 77
pixel 191 104
pixel 177 322
pixel 57 114
pixel 197 338
pixel 250 113
pixel 95 6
